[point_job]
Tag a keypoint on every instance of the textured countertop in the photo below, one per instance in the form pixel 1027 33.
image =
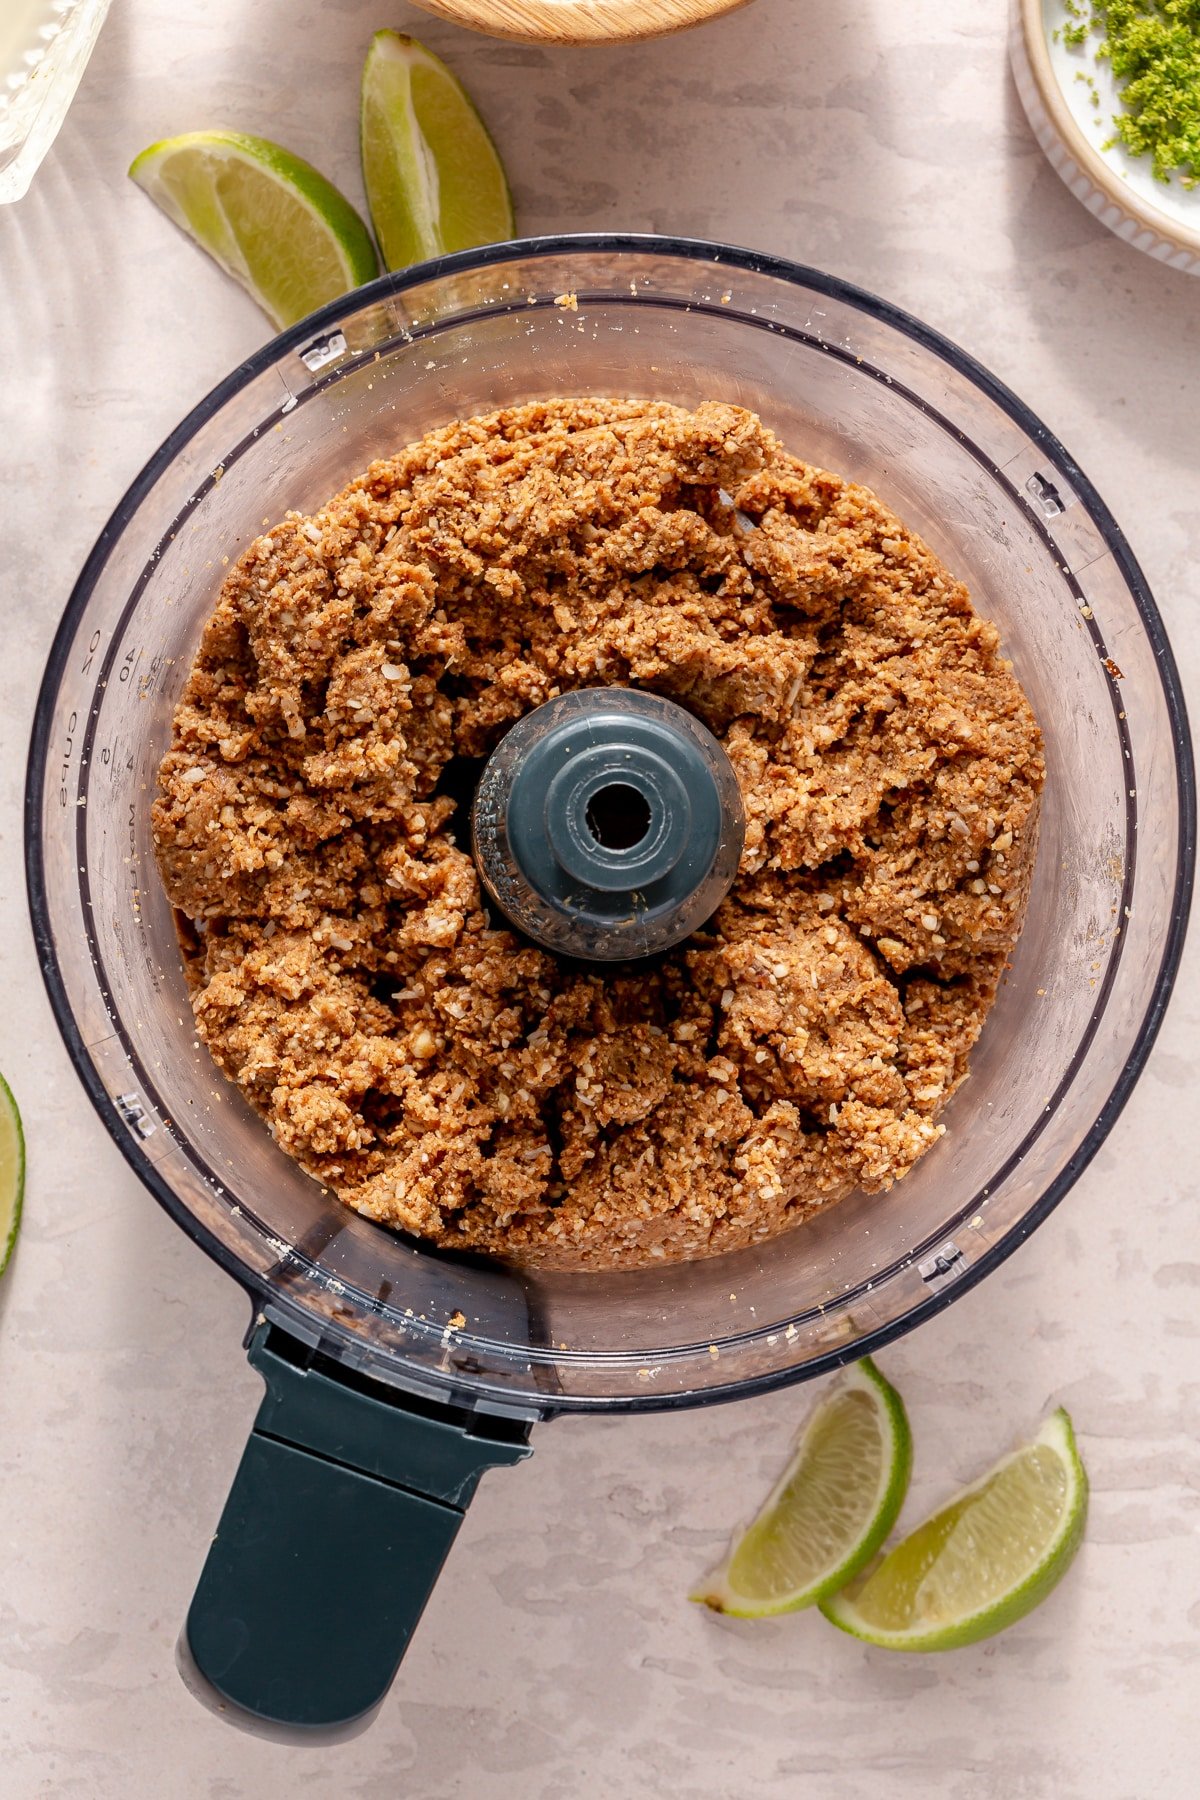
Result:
pixel 558 1659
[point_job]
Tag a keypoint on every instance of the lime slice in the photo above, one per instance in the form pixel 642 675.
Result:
pixel 433 178
pixel 12 1173
pixel 269 219
pixel 983 1561
pixel 830 1510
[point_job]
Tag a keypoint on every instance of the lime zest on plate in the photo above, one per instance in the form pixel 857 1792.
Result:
pixel 267 217
pixel 831 1508
pixel 981 1562
pixel 433 176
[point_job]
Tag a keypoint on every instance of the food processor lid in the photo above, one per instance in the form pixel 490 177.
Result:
pixel 607 824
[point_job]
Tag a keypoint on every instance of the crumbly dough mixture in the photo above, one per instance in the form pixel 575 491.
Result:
pixel 439 1074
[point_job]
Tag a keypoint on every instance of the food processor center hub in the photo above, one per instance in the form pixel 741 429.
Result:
pixel 608 824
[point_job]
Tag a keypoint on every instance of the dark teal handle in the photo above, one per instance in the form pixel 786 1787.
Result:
pixel 347 1499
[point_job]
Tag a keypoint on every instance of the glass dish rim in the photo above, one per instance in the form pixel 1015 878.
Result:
pixel 684 250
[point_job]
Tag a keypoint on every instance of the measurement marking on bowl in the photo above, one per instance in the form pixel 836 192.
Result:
pixel 132 1109
pixel 321 351
pixel 944 1266
pixel 1047 497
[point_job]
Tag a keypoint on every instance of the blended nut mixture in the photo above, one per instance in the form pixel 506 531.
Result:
pixel 438 1073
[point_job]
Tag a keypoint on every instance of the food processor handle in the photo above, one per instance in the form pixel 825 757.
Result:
pixel 347 1498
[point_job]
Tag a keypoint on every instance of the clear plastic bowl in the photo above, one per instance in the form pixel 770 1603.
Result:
pixel 847 381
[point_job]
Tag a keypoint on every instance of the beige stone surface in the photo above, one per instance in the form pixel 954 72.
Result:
pixel 558 1659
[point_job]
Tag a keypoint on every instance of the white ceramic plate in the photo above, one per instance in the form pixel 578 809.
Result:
pixel 1161 218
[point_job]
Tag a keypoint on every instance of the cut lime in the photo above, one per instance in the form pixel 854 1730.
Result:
pixel 983 1561
pixel 269 219
pixel 12 1173
pixel 830 1510
pixel 433 178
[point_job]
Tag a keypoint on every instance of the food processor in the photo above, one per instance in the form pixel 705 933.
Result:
pixel 397 1373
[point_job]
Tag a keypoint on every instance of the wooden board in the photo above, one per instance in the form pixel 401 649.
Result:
pixel 579 21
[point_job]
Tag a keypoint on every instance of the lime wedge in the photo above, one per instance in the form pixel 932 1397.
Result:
pixel 830 1510
pixel 269 219
pixel 983 1561
pixel 433 178
pixel 12 1173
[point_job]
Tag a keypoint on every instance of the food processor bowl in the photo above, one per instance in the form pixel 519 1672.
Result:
pixel 451 1357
